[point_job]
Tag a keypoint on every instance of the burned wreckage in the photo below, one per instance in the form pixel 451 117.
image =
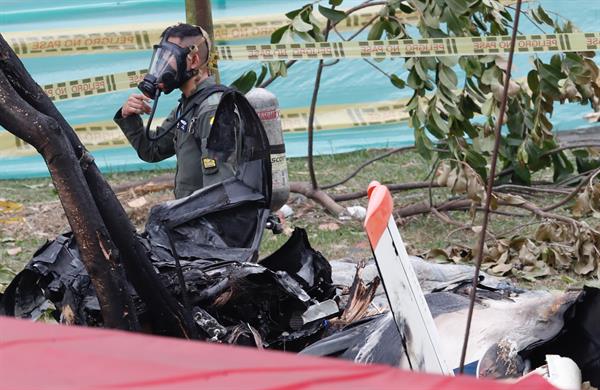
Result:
pixel 205 250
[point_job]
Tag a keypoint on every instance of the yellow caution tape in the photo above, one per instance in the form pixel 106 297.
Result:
pixel 139 37
pixel 42 44
pixel 106 134
pixel 94 85
pixel 263 26
pixel 343 116
pixel 431 47
pixel 365 49
pixel 434 47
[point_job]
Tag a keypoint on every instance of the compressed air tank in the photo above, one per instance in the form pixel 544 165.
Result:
pixel 267 107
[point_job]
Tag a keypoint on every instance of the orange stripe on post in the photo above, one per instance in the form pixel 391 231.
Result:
pixel 379 211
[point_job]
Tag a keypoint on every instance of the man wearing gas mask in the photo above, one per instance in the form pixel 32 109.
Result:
pixel 180 61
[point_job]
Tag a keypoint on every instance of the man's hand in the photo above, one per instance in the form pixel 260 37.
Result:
pixel 135 104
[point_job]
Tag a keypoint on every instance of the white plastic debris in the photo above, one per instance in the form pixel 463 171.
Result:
pixel 563 372
pixel 357 212
pixel 286 211
pixel 320 310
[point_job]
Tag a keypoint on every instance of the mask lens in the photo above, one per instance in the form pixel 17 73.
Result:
pixel 162 60
pixel 163 67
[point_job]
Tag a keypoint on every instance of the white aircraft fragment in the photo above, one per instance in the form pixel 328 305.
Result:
pixel 406 299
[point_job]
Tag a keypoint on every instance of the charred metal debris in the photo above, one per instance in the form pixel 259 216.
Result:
pixel 205 250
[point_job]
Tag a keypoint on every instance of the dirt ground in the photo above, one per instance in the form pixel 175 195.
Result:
pixel 30 214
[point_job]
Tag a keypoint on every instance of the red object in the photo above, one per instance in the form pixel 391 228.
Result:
pixel 43 356
pixel 379 211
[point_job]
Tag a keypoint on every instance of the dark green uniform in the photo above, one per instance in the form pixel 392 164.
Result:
pixel 187 140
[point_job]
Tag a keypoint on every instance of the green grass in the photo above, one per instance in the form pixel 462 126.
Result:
pixel 397 168
pixel 420 233
pixel 28 191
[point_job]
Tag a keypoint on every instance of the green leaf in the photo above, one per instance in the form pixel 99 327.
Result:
pixel 245 82
pixel 393 28
pixel 288 36
pixel 282 69
pixel 483 144
pixel 318 23
pixel 586 164
pixel 376 31
pixel 421 71
pixel 277 68
pixel 522 174
pixel 454 22
pixel 336 3
pixel 562 167
pixel 534 152
pixel 263 74
pixel 446 96
pixel 475 160
pixel 448 77
pixel 458 7
pixel 334 15
pixel 474 91
pixel 522 155
pixel 300 25
pixel 449 61
pixel 544 16
pixel 305 36
pixel 533 81
pixel 488 107
pixel 491 75
pixel 429 63
pixel 278 34
pixel 397 81
pixel 292 14
pixel 439 122
pixel 470 65
pixel 552 72
pixel 413 80
pixel 423 144
pixel 406 8
pixel 513 140
pixel 550 88
pixel 434 130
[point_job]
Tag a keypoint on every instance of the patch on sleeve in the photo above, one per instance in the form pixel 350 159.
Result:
pixel 209 163
pixel 211 120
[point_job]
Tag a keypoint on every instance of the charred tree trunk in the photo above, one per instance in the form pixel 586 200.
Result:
pixel 167 315
pixel 97 251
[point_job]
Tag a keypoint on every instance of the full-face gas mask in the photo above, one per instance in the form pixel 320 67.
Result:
pixel 168 71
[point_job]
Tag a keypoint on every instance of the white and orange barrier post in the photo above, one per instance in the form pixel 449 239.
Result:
pixel 406 299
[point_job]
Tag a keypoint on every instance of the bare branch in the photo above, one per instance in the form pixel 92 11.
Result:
pixel 573 193
pixel 317 195
pixel 365 164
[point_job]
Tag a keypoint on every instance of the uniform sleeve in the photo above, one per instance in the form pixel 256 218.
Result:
pixel 149 151
pixel 205 119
